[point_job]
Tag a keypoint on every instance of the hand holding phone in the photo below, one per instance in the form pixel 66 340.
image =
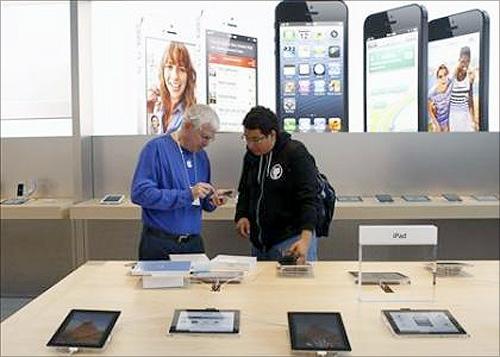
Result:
pixel 202 190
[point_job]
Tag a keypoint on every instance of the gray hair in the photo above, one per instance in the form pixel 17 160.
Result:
pixel 200 114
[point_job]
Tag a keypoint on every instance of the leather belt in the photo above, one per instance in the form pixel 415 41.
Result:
pixel 178 238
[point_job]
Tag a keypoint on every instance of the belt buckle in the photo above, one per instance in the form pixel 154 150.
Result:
pixel 182 238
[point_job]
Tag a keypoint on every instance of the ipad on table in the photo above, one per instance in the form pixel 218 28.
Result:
pixel 84 328
pixel 375 278
pixel 206 321
pixel 485 198
pixel 408 322
pixel 317 331
pixel 416 198
pixel 349 199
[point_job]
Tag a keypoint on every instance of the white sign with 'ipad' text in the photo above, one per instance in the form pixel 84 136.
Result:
pixel 398 235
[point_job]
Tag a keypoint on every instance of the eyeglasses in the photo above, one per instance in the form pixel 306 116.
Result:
pixel 253 140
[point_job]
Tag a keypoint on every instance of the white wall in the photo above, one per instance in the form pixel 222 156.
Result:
pixel 35 70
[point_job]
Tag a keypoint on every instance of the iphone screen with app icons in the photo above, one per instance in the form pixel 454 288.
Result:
pixel 312 76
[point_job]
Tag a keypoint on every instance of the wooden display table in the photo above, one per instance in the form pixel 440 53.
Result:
pixel 263 299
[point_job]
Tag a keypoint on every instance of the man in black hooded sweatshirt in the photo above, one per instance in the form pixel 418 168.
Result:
pixel 277 203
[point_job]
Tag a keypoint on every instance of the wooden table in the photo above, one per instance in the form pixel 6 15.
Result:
pixel 264 300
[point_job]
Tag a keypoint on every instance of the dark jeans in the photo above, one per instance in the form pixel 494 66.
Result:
pixel 157 245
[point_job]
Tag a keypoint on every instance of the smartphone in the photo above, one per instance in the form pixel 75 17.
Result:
pixel 228 53
pixel 158 37
pixel 226 192
pixel 452 197
pixel 20 189
pixel 458 72
pixel 311 66
pixel 395 67
pixel 112 199
pixel 384 198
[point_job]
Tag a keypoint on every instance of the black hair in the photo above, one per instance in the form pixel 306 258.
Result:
pixel 262 118
pixel 465 51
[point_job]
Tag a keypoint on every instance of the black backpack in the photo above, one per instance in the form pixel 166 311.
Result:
pixel 326 200
pixel 326 207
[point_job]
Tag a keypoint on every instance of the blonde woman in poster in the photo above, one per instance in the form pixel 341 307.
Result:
pixel 176 88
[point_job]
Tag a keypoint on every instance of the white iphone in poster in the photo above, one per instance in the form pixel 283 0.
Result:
pixel 166 46
pixel 228 55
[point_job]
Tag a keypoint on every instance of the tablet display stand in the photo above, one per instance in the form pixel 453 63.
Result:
pixel 398 249
pixel 72 350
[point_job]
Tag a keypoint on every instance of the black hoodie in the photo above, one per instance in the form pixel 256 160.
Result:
pixel 278 192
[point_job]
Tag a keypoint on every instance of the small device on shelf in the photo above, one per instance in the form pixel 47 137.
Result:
pixel 112 199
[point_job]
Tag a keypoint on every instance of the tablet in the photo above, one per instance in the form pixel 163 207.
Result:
pixel 206 321
pixel 14 201
pixel 317 331
pixel 84 328
pixel 349 199
pixel 384 198
pixel 375 278
pixel 407 322
pixel 415 198
pixel 112 199
pixel 485 198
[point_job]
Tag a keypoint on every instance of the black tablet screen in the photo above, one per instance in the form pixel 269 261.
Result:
pixel 317 331
pixel 85 328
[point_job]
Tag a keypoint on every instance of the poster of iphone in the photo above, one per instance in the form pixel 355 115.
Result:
pixel 312 76
pixel 231 77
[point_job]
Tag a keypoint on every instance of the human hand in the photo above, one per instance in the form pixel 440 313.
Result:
pixel 201 190
pixel 217 199
pixel 243 227
pixel 153 98
pixel 472 76
pixel 300 247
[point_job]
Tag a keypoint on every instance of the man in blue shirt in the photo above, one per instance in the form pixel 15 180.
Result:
pixel 172 185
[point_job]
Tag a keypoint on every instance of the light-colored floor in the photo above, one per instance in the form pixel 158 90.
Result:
pixel 10 305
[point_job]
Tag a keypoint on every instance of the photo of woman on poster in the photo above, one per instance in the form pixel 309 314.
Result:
pixel 174 91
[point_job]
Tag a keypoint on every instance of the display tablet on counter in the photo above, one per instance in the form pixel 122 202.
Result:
pixel 112 199
pixel 317 331
pixel 485 198
pixel 407 322
pixel 206 321
pixel 375 278
pixel 452 197
pixel 84 328
pixel 349 199
pixel 415 198
pixel 384 198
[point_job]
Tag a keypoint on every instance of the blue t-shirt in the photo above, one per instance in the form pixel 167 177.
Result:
pixel 442 102
pixel 161 186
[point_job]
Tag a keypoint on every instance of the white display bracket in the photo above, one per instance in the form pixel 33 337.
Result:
pixel 393 249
